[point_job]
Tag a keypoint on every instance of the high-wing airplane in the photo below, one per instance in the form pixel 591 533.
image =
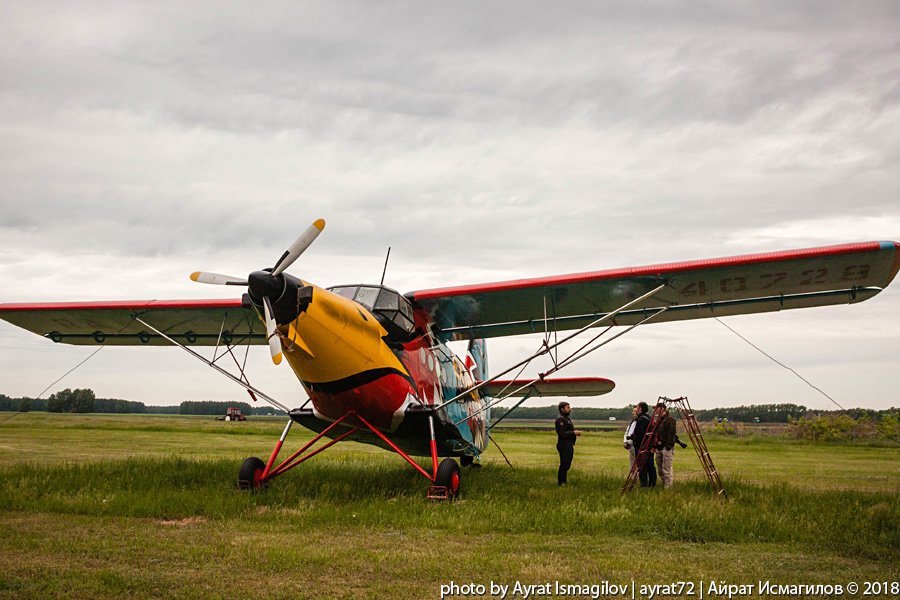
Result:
pixel 376 365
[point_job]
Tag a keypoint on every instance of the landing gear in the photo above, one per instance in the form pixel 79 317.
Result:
pixel 445 476
pixel 250 476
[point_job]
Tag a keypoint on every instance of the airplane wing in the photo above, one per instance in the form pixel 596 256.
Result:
pixel 558 386
pixel 733 285
pixel 191 322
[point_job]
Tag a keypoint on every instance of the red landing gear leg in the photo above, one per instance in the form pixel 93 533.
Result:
pixel 444 475
pixel 255 474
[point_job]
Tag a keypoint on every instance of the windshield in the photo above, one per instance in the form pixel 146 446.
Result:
pixel 383 302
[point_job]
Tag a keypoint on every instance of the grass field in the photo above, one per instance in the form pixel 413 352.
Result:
pixel 112 506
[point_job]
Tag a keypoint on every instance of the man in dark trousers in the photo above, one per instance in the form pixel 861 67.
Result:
pixel 648 472
pixel 565 441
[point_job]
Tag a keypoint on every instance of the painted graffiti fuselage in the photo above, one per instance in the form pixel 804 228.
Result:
pixel 363 349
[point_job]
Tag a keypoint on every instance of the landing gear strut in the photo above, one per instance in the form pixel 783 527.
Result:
pixel 255 474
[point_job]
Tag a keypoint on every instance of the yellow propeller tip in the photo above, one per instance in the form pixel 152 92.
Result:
pixel 319 224
pixel 195 275
pixel 277 358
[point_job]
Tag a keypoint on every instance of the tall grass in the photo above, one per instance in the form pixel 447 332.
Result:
pixel 375 493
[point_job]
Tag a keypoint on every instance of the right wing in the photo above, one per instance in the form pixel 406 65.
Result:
pixel 190 322
pixel 733 285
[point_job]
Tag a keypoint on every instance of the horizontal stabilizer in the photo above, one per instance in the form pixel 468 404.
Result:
pixel 560 386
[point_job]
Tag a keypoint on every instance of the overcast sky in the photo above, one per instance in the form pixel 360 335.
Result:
pixel 481 140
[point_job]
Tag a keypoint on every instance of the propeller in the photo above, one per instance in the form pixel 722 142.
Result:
pixel 216 279
pixel 299 246
pixel 269 282
pixel 271 333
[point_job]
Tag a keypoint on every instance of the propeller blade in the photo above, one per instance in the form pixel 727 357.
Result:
pixel 299 246
pixel 271 334
pixel 216 279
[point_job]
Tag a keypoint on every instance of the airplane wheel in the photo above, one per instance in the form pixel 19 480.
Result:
pixel 448 476
pixel 250 474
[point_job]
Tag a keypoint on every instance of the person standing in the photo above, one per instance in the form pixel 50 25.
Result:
pixel 665 447
pixel 629 431
pixel 565 441
pixel 648 472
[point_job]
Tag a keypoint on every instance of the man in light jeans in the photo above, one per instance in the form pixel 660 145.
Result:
pixel 665 448
pixel 629 444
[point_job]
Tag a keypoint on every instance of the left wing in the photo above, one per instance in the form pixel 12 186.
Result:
pixel 191 322
pixel 734 285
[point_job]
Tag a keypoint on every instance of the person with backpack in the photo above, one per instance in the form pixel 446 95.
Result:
pixel 648 472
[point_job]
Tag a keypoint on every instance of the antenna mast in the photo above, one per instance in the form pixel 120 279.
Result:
pixel 385 265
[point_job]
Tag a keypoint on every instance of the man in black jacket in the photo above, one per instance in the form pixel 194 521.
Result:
pixel 648 472
pixel 565 441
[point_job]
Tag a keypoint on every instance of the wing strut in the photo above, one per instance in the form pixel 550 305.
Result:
pixel 198 356
pixel 547 348
pixel 579 354
pixel 514 407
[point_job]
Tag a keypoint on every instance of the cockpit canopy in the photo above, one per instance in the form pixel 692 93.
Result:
pixel 391 309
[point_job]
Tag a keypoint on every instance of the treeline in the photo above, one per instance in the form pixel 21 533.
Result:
pixel 85 401
pixel 756 413
pixel 219 408
pixel 72 401
pixel 551 412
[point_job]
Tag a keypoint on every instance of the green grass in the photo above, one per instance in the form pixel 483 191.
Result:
pixel 142 506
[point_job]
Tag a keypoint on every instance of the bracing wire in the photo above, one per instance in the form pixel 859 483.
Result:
pixel 64 375
pixel 90 356
pixel 779 363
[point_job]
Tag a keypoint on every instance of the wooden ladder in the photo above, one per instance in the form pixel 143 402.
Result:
pixel 689 422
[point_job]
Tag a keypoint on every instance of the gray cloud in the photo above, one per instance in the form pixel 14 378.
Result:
pixel 480 140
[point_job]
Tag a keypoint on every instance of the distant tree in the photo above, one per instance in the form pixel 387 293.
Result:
pixel 25 405
pixel 75 401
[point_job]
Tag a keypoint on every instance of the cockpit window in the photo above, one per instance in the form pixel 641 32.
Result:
pixel 392 309
pixel 346 292
pixel 366 296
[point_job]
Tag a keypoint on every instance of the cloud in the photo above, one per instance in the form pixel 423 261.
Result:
pixel 480 141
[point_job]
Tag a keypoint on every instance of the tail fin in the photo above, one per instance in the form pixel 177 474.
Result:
pixel 476 359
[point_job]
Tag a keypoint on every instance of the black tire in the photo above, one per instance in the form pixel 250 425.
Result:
pixel 448 476
pixel 250 474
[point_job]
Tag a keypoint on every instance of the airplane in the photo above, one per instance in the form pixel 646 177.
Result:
pixel 376 364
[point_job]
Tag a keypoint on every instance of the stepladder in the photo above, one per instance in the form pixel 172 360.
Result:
pixel 650 442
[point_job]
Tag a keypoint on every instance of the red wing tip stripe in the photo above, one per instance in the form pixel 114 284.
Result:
pixel 728 261
pixel 123 305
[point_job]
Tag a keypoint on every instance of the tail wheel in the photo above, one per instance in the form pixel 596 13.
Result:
pixel 448 477
pixel 250 475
